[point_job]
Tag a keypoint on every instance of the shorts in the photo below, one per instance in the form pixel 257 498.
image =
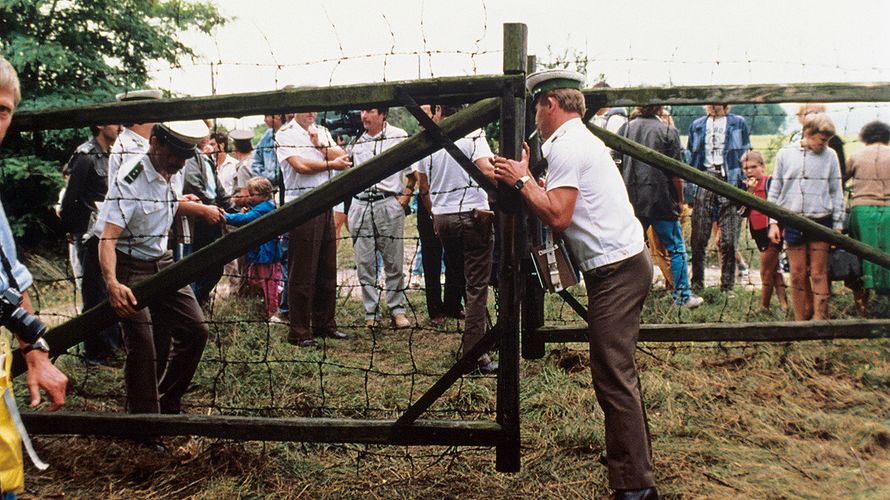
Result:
pixel 761 238
pixel 794 236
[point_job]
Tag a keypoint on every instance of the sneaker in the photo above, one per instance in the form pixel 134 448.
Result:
pixel 400 321
pixel 276 319
pixel 692 302
pixel 371 323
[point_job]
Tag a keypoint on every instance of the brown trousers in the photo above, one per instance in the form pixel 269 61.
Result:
pixel 164 342
pixel 469 240
pixel 312 278
pixel 616 293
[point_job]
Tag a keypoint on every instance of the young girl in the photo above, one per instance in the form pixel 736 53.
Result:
pixel 264 263
pixel 758 223
pixel 807 180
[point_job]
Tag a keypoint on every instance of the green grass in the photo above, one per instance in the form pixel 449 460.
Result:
pixel 795 420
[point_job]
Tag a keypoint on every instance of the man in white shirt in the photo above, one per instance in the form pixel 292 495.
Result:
pixel 164 340
pixel 309 157
pixel 133 139
pixel 464 224
pixel 377 222
pixel 585 199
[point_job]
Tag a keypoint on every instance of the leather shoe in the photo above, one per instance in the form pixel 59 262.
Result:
pixel 302 342
pixel 400 321
pixel 643 494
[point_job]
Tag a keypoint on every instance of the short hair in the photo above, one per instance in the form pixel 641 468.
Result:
pixel 809 108
pixel 752 155
pixel 650 110
pixel 448 110
pixel 875 132
pixel 382 110
pixel 571 100
pixel 221 138
pixel 94 130
pixel 818 123
pixel 261 186
pixel 9 79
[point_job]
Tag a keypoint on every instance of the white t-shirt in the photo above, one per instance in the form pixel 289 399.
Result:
pixel 144 204
pixel 293 140
pixel 604 229
pixel 226 174
pixel 715 139
pixel 452 190
pixel 368 146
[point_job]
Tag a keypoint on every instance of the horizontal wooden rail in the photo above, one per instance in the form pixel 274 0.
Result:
pixel 308 430
pixel 784 331
pixel 465 89
pixel 739 94
pixel 289 215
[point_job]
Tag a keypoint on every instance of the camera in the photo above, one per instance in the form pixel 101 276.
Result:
pixel 26 327
pixel 343 123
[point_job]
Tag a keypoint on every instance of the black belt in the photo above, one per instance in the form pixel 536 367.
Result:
pixel 378 196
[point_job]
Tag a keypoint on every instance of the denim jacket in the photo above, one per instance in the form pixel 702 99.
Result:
pixel 737 143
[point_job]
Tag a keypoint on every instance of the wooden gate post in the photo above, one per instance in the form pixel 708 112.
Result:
pixel 511 243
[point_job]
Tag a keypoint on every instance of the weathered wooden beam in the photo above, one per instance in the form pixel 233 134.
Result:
pixel 784 331
pixel 512 243
pixel 464 365
pixel 739 94
pixel 236 243
pixel 308 430
pixel 464 89
pixel 680 169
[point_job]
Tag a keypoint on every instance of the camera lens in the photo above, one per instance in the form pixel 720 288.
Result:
pixel 26 327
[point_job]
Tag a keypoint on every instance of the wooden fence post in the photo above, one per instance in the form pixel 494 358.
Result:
pixel 511 242
pixel 533 294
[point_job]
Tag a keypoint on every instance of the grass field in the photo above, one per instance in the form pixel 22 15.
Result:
pixel 788 420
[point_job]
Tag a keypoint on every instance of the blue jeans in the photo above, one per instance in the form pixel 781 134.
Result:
pixel 671 235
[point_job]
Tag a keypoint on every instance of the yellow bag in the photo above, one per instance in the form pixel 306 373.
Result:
pixel 12 475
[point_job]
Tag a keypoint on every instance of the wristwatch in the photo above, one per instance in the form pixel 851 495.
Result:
pixel 521 182
pixel 39 345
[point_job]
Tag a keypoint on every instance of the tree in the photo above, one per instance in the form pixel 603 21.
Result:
pixel 82 52
pixel 763 119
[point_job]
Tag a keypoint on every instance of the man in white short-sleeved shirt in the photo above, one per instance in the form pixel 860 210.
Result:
pixel 309 157
pixel 132 228
pixel 377 222
pixel 464 225
pixel 585 200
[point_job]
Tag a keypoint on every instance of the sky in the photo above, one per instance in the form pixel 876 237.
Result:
pixel 268 44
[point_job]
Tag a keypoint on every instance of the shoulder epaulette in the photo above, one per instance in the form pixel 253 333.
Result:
pixel 133 173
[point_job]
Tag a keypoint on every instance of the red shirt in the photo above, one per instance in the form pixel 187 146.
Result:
pixel 758 220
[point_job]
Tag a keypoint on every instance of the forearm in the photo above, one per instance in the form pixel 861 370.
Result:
pixel 108 260
pixel 309 165
pixel 678 188
pixel 540 203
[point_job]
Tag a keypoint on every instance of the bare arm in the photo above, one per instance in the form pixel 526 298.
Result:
pixel 210 213
pixel 42 374
pixel 120 296
pixel 423 186
pixel 314 165
pixel 554 207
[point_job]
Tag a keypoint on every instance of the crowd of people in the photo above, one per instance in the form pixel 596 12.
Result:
pixel 140 196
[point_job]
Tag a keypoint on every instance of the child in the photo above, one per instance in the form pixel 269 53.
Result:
pixel 807 181
pixel 264 263
pixel 758 223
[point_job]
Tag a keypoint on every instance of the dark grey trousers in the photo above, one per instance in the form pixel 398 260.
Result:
pixel 164 342
pixel 616 293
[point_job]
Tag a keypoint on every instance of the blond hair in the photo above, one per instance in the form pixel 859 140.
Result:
pixel 9 79
pixel 752 155
pixel 818 123
pixel 260 186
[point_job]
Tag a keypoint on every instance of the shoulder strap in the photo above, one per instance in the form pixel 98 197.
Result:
pixel 7 266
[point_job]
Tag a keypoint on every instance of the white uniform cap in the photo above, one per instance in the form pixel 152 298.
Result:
pixel 183 135
pixel 241 135
pixel 139 95
pixel 553 79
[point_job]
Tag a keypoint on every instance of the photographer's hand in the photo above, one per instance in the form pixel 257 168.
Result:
pixel 42 374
